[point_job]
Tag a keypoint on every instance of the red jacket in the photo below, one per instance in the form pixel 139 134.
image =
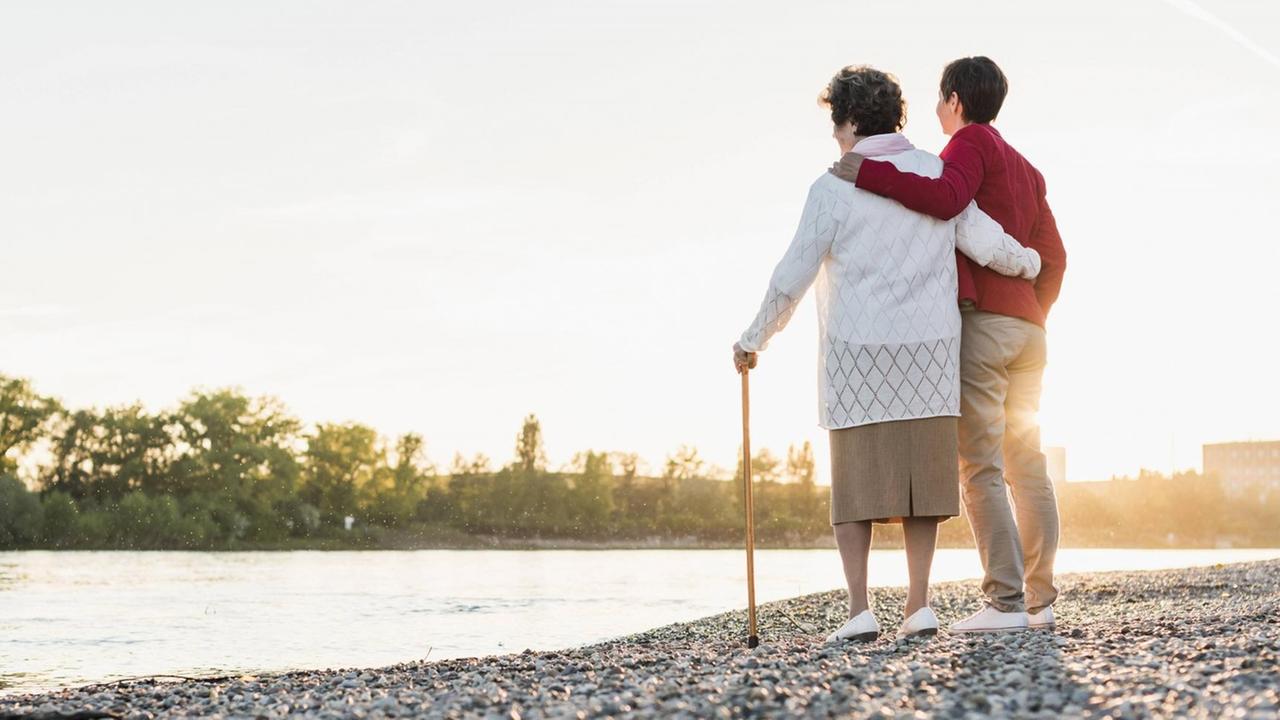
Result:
pixel 981 166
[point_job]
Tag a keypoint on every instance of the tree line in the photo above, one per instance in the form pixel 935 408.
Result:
pixel 223 470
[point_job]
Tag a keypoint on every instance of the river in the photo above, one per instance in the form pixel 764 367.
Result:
pixel 71 618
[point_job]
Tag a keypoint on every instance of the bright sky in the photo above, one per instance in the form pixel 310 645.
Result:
pixel 443 216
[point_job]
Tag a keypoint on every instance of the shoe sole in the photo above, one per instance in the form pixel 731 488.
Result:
pixel 989 631
pixel 1044 626
pixel 860 638
pixel 927 632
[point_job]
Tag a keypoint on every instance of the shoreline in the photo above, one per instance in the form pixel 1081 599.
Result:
pixel 1196 642
pixel 499 543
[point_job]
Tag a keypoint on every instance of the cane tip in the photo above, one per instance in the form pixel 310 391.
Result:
pixel 753 641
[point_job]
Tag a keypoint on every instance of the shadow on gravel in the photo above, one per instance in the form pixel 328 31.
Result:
pixel 1013 674
pixel 1020 675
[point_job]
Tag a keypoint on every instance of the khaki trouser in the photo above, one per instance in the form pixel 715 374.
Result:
pixel 1002 361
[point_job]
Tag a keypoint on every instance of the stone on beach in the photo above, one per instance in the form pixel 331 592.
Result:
pixel 1198 642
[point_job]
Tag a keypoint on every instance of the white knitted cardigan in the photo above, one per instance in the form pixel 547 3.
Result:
pixel 888 320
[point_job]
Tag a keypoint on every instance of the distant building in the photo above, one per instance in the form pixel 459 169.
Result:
pixel 1244 465
pixel 1056 459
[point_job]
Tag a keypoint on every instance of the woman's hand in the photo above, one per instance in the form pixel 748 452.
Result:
pixel 743 360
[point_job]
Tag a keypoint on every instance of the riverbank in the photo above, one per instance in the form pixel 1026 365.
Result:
pixel 887 537
pixel 1202 642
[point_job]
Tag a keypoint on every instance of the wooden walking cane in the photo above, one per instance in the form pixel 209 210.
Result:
pixel 752 639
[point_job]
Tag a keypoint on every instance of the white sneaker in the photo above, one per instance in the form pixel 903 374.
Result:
pixel 1042 620
pixel 861 628
pixel 991 620
pixel 922 623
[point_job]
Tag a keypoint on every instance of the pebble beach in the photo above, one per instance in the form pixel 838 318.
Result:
pixel 1198 642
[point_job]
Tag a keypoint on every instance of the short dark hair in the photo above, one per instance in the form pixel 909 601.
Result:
pixel 980 85
pixel 870 99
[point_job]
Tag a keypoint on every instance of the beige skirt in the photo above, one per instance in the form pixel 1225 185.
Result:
pixel 888 471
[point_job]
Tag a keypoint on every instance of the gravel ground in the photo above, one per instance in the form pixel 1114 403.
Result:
pixel 1199 642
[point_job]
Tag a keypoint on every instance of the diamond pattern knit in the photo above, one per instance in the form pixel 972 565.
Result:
pixel 889 326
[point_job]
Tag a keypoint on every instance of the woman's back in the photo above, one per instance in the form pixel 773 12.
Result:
pixel 890 275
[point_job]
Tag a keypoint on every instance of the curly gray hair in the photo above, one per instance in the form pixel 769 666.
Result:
pixel 870 99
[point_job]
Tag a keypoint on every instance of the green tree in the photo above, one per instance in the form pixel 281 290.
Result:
pixel 765 469
pixel 106 454
pixel 21 517
pixel 800 465
pixel 61 520
pixel 478 464
pixel 24 414
pixel 682 467
pixel 805 503
pixel 235 445
pixel 531 456
pixel 625 485
pixel 397 503
pixel 240 455
pixel 591 495
pixel 684 464
pixel 523 499
pixel 464 503
pixel 537 504
pixel 343 464
pixel 220 520
pixel 301 518
pixel 141 521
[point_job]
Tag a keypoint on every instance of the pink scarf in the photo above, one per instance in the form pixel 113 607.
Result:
pixel 880 145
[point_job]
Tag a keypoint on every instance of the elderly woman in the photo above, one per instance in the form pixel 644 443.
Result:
pixel 889 334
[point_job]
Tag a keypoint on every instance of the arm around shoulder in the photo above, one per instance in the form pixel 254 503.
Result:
pixel 943 197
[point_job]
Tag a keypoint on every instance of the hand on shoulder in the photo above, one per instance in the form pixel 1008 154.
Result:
pixel 847 167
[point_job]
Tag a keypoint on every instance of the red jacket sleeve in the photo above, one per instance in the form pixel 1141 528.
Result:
pixel 944 197
pixel 1053 256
